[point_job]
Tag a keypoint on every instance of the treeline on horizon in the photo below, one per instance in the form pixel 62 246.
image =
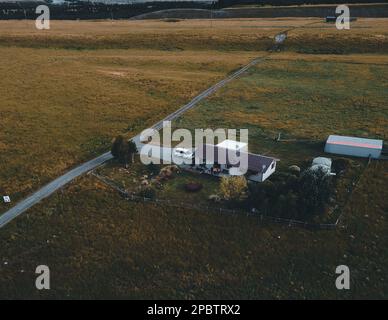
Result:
pixel 230 3
pixel 87 10
pixel 75 9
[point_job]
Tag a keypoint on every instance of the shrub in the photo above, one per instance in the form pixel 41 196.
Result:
pixel 314 191
pixel 148 192
pixel 153 169
pixel 117 142
pixel 123 150
pixel 290 196
pixel 233 188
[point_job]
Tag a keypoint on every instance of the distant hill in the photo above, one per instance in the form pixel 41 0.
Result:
pixel 357 10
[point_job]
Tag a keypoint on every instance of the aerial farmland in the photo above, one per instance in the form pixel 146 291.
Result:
pixel 68 94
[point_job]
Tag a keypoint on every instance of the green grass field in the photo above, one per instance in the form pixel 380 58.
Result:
pixel 303 98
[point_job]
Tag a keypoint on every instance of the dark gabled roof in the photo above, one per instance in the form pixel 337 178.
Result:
pixel 256 162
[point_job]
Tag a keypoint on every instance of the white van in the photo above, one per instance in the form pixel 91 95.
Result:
pixel 183 153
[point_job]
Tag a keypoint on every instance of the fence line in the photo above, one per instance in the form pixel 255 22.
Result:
pixel 170 203
pixel 353 187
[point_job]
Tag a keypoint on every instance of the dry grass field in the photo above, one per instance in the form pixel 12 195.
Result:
pixel 61 106
pixel 67 92
pixel 313 35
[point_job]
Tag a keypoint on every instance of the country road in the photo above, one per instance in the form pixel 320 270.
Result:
pixel 61 181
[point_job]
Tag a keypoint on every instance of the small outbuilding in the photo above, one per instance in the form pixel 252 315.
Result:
pixel 353 146
pixel 323 164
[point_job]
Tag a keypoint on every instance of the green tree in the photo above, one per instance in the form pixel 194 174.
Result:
pixel 132 150
pixel 314 191
pixel 117 142
pixel 124 151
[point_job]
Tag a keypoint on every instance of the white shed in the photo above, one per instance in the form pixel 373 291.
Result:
pixel 323 164
pixel 353 146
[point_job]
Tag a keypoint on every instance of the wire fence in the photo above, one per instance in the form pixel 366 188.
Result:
pixel 353 187
pixel 261 218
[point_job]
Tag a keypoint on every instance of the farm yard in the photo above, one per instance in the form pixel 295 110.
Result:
pixel 168 185
pixel 86 82
pixel 185 187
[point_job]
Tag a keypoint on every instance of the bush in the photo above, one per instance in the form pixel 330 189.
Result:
pixel 117 142
pixel 293 197
pixel 233 188
pixel 148 192
pixel 314 191
pixel 153 169
pixel 123 150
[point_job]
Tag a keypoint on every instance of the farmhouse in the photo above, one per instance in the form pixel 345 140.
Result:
pixel 220 161
pixel 352 146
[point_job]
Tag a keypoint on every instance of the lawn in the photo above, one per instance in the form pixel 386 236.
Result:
pixel 172 189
